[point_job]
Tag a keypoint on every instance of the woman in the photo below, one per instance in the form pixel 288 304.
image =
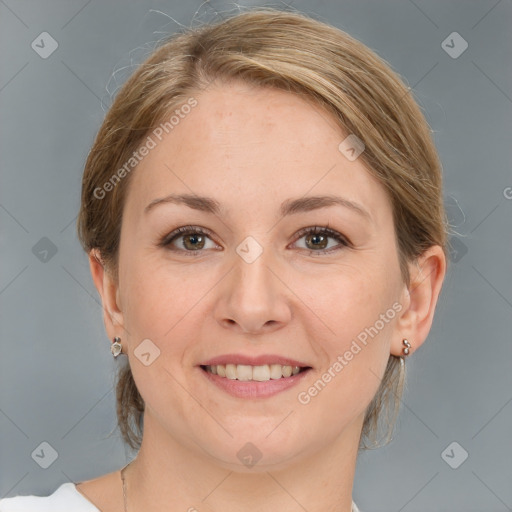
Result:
pixel 262 209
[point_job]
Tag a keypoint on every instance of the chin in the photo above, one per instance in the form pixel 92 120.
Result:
pixel 250 451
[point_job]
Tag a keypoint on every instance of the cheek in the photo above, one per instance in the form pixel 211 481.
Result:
pixel 350 302
pixel 157 308
pixel 354 361
pixel 158 297
pixel 357 320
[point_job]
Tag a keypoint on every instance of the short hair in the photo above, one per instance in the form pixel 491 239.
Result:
pixel 291 52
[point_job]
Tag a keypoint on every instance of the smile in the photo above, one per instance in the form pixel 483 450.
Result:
pixel 253 382
pixel 260 373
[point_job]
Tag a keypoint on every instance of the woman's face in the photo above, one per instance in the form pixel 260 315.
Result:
pixel 254 287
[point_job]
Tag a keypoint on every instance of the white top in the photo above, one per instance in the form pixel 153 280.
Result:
pixel 65 497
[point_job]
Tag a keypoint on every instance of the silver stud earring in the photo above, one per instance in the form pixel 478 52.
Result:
pixel 406 348
pixel 116 346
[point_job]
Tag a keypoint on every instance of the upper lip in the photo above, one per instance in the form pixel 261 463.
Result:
pixel 253 360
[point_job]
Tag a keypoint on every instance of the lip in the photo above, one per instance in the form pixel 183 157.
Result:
pixel 254 389
pixel 254 360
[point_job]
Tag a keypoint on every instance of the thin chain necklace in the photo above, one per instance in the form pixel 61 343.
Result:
pixel 124 487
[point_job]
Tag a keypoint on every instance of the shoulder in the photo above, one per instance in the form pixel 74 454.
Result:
pixel 61 500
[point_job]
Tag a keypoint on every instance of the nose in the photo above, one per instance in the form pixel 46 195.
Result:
pixel 253 298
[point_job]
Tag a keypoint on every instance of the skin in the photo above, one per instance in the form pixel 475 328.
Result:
pixel 251 149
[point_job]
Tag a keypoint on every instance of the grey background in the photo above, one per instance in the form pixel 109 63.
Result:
pixel 56 368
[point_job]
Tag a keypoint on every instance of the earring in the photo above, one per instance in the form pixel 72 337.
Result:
pixel 406 348
pixel 116 346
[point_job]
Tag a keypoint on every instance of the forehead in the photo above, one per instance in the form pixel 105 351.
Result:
pixel 241 143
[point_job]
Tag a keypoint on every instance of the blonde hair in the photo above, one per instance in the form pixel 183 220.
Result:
pixel 291 52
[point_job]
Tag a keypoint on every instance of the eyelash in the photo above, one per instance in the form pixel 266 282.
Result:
pixel 191 230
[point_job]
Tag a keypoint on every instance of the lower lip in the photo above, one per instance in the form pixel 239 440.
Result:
pixel 254 389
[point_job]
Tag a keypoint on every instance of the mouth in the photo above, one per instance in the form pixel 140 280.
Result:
pixel 250 373
pixel 253 377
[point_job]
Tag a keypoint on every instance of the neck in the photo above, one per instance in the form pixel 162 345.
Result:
pixel 166 475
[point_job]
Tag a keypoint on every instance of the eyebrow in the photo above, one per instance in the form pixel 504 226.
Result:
pixel 288 207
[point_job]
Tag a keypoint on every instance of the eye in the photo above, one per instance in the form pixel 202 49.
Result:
pixel 188 239
pixel 317 240
pixel 192 240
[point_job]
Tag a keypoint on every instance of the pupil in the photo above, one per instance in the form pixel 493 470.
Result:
pixel 195 241
pixel 318 238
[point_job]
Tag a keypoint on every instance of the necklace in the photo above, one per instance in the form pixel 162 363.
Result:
pixel 124 487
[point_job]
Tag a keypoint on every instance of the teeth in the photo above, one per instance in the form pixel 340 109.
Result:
pixel 276 371
pixel 260 373
pixel 287 371
pixel 230 371
pixel 245 372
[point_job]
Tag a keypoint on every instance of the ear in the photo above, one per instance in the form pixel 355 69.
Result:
pixel 109 291
pixel 419 300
